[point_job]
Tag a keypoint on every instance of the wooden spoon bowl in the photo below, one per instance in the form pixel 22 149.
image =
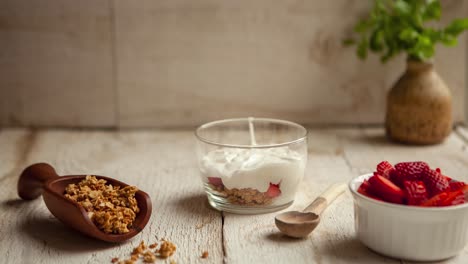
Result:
pixel 41 178
pixel 301 224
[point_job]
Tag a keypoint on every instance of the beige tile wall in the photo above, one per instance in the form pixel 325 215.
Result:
pixel 172 63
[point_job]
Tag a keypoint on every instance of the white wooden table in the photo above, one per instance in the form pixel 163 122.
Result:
pixel 163 164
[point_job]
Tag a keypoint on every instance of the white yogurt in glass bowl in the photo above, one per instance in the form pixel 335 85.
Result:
pixel 251 165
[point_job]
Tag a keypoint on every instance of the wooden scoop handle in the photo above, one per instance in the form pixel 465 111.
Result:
pixel 326 198
pixel 33 178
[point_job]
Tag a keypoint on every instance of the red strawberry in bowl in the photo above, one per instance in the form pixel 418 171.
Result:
pixel 435 182
pixel 411 170
pixel 454 198
pixel 413 183
pixel 436 200
pixel 216 181
pixel 456 185
pixel 365 189
pixel 274 190
pixel 386 189
pixel 384 168
pixel 416 192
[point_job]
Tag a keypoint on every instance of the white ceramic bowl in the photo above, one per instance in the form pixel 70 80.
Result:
pixel 409 232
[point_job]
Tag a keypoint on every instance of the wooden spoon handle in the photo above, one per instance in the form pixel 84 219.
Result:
pixel 326 198
pixel 33 178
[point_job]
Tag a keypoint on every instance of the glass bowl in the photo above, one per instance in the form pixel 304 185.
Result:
pixel 251 165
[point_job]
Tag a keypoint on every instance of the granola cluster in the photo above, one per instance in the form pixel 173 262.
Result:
pixel 149 254
pixel 245 196
pixel 111 208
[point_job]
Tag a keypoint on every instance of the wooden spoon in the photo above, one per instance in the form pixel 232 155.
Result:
pixel 301 224
pixel 41 178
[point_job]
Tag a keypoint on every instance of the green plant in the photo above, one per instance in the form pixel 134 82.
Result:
pixel 396 26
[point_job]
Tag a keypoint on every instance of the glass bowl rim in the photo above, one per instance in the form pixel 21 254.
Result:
pixel 303 137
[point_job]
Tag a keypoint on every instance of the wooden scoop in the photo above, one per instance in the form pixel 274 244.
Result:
pixel 301 224
pixel 41 178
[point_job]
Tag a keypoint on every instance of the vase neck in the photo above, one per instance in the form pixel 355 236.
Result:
pixel 419 66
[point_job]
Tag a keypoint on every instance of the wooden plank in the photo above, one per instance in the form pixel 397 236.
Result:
pixel 56 61
pixel 15 146
pixel 462 132
pixel 161 163
pixel 255 239
pixel 182 63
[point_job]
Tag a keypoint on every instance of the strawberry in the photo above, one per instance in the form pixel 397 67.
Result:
pixel 364 187
pixel 365 190
pixel 440 171
pixel 384 168
pixel 435 182
pixel 411 170
pixel 456 185
pixel 454 198
pixel 397 178
pixel 215 181
pixel 274 190
pixel 436 200
pixel 416 192
pixel 386 189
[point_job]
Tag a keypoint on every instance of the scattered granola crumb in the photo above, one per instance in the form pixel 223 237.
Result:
pixel 145 253
pixel 204 254
pixel 139 249
pixel 171 261
pixel 111 208
pixel 167 249
pixel 149 257
pixel 134 257
pixel 154 245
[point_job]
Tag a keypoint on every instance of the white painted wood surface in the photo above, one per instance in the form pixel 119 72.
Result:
pixel 174 63
pixel 163 164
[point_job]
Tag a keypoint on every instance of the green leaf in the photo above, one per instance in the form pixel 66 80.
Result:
pixel 448 40
pixel 408 34
pixel 390 53
pixel 361 27
pixel 432 10
pixel 349 42
pixel 457 26
pixel 362 48
pixel 424 41
pixel 402 8
pixel 376 40
pixel 395 26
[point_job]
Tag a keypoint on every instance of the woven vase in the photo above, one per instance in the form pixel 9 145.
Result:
pixel 419 106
